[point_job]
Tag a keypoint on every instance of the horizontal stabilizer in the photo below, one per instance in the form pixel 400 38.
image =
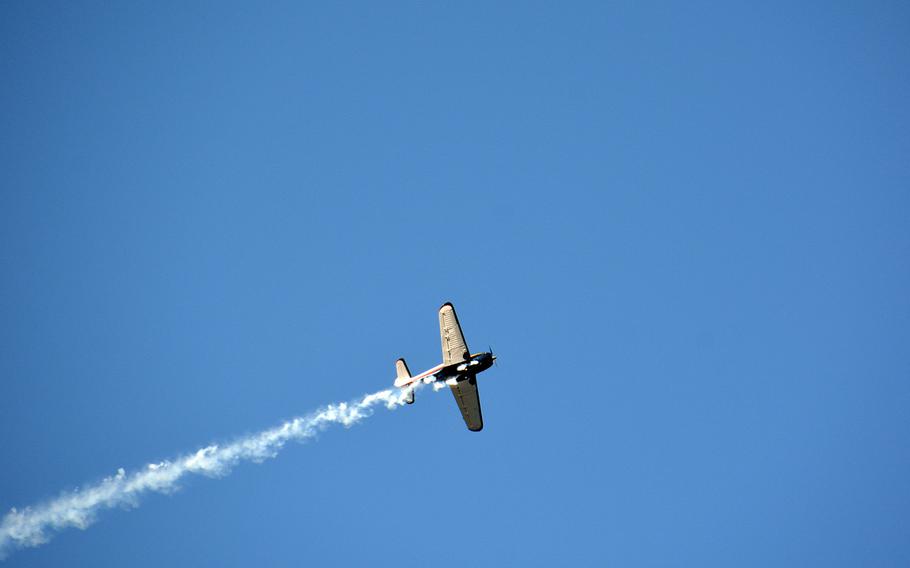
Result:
pixel 401 368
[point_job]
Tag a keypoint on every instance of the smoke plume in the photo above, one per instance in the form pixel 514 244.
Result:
pixel 35 525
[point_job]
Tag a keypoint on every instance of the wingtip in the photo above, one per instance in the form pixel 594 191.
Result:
pixel 446 304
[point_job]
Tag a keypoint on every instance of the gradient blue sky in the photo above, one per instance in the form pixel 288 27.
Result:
pixel 682 226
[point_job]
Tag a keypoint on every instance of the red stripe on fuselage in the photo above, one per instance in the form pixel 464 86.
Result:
pixel 422 375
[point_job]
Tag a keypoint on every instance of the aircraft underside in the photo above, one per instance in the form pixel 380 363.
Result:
pixel 459 369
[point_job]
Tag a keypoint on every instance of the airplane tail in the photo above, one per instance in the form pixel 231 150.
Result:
pixel 403 373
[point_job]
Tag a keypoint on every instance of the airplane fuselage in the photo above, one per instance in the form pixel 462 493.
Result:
pixel 458 372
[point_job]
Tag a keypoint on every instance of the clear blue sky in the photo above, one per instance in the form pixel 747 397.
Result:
pixel 682 226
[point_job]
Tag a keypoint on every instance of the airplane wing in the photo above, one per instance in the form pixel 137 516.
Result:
pixel 454 348
pixel 469 402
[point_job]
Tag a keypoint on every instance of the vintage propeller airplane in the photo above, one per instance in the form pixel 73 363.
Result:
pixel 458 369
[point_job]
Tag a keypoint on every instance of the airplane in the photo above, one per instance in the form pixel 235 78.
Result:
pixel 458 369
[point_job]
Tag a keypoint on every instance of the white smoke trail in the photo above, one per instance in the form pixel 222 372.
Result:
pixel 33 526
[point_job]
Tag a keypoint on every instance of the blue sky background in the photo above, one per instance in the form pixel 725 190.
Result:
pixel 682 226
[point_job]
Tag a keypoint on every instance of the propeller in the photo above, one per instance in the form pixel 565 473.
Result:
pixel 491 353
